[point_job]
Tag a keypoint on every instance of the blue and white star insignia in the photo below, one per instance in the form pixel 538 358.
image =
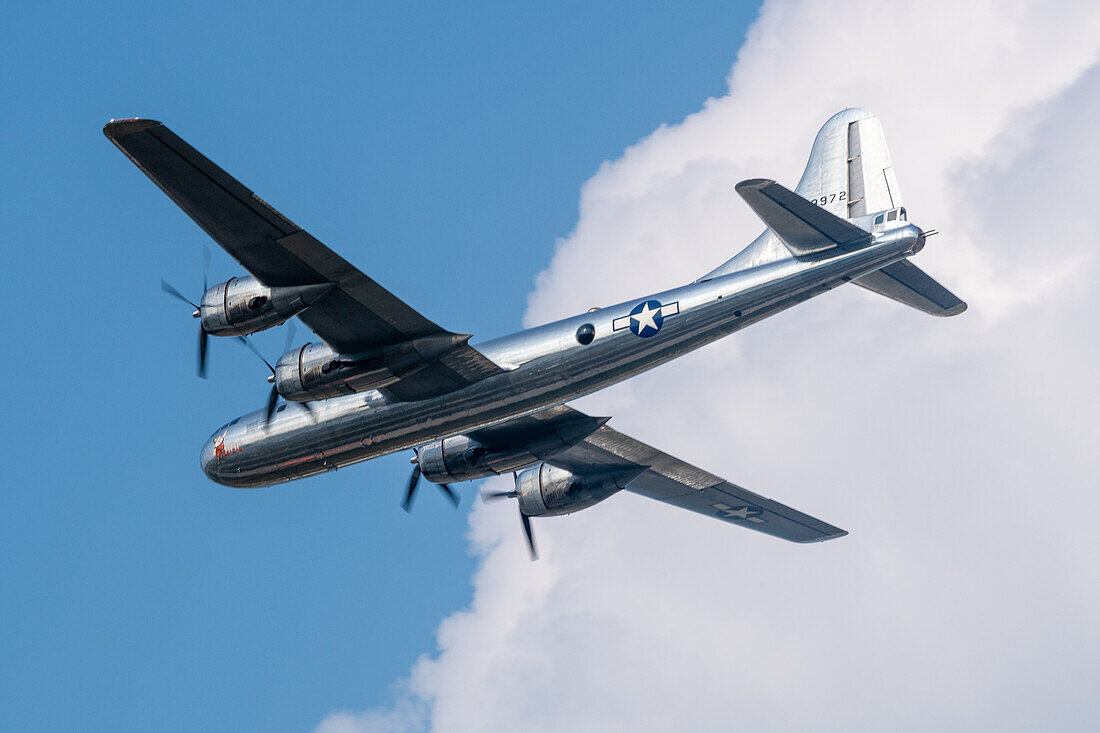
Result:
pixel 647 318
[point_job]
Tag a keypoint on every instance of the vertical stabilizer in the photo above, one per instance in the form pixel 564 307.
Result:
pixel 872 185
pixel 849 174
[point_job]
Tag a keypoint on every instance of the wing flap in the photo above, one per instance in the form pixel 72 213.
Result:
pixel 803 227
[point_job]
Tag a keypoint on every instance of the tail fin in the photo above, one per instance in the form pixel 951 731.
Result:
pixel 849 174
pixel 847 189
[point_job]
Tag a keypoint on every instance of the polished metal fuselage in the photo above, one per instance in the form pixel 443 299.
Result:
pixel 543 366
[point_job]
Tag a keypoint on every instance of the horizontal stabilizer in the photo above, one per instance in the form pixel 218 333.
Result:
pixel 804 227
pixel 906 283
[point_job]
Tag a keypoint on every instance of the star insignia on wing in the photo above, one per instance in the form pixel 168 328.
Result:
pixel 743 512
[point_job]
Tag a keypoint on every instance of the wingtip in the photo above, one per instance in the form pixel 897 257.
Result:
pixel 825 538
pixel 120 128
pixel 753 183
pixel 952 311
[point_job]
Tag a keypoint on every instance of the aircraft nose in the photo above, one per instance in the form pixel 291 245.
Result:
pixel 210 457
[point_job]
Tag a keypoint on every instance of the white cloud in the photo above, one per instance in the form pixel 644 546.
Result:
pixel 960 453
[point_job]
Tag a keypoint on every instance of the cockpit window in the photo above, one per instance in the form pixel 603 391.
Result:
pixel 234 421
pixel 902 215
pixel 280 408
pixel 892 216
pixel 878 219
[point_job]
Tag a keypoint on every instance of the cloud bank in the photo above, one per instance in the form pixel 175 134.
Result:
pixel 959 453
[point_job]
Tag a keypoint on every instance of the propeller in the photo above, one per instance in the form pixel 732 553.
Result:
pixel 523 518
pixel 273 396
pixel 414 480
pixel 197 313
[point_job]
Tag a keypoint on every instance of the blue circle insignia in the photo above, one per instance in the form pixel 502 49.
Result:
pixel 646 319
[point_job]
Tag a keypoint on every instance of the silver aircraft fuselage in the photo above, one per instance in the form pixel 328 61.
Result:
pixel 544 366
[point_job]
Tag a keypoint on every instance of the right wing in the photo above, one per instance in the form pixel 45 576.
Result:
pixel 804 227
pixel 668 479
pixel 356 316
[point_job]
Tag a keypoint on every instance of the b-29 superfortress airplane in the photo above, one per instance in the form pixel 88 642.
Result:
pixel 384 378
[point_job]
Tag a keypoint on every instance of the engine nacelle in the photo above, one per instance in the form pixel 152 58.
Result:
pixel 546 490
pixel 504 448
pixel 244 305
pixel 317 371
pixel 460 458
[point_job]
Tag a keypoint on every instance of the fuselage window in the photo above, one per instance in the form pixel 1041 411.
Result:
pixel 892 216
pixel 585 334
pixel 281 408
pixel 878 219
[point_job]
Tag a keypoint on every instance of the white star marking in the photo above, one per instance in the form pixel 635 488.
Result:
pixel 645 318
pixel 741 512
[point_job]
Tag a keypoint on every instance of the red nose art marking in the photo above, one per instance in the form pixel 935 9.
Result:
pixel 219 447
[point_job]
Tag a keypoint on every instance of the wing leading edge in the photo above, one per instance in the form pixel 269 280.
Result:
pixel 356 316
pixel 668 479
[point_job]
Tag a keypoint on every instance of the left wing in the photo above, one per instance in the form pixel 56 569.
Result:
pixel 356 316
pixel 675 482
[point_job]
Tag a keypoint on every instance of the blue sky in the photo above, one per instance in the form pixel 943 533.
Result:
pixel 442 150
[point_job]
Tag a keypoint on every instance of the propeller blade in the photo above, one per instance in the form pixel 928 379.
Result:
pixel 526 520
pixel 205 269
pixel 197 313
pixel 252 347
pixel 449 493
pixel 290 329
pixel 410 490
pixel 271 400
pixel 530 537
pixel 202 352
pixel 175 293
